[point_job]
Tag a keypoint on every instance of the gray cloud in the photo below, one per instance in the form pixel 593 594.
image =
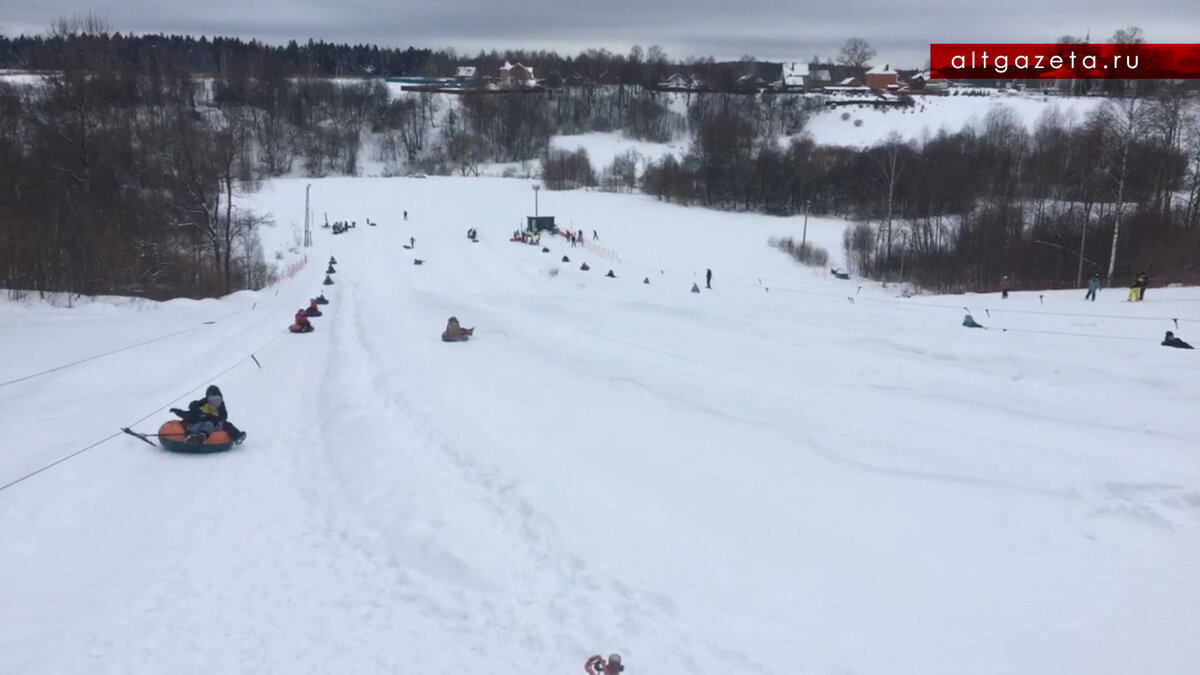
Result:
pixel 767 29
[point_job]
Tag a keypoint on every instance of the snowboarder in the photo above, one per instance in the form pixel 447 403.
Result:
pixel 1171 341
pixel 969 322
pixel 1005 287
pixel 596 665
pixel 312 310
pixel 708 278
pixel 1142 280
pixel 206 415
pixel 1093 287
pixel 456 333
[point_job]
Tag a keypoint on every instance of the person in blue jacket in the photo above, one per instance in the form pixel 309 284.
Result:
pixel 1094 285
pixel 206 415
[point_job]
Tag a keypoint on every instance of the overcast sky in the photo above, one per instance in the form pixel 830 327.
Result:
pixel 776 30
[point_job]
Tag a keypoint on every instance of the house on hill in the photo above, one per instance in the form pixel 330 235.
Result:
pixel 795 76
pixel 675 81
pixel 881 77
pixel 799 76
pixel 516 76
pixel 467 76
pixel 751 82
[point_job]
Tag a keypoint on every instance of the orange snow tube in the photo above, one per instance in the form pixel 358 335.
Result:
pixel 172 433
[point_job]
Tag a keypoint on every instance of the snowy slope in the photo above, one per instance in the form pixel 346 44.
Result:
pixel 934 113
pixel 739 481
pixel 603 148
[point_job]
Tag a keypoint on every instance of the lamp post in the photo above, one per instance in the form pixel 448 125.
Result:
pixel 804 237
pixel 535 203
pixel 307 217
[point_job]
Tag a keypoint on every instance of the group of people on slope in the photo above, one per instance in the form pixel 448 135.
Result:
pixel 1137 287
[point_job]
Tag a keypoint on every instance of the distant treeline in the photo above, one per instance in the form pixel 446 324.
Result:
pixel 120 173
pixel 222 56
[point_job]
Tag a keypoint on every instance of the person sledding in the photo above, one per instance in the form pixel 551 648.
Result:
pixel 596 665
pixel 301 324
pixel 321 299
pixel 312 310
pixel 1170 340
pixel 328 281
pixel 456 333
pixel 331 270
pixel 970 322
pixel 332 260
pixel 206 415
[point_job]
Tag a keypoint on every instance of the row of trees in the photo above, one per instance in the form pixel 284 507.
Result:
pixel 223 56
pixel 120 175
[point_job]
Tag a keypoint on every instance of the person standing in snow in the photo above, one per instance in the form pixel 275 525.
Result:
pixel 1005 287
pixel 594 235
pixel 1093 287
pixel 708 278
pixel 406 215
pixel 1142 281
pixel 206 415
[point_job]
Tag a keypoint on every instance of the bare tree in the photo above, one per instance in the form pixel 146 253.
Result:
pixel 1127 121
pixel 856 53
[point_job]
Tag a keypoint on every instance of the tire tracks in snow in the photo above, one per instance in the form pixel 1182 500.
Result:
pixel 484 562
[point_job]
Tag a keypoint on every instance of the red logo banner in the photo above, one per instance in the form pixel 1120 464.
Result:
pixel 1064 61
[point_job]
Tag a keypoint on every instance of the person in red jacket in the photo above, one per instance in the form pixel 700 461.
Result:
pixel 302 324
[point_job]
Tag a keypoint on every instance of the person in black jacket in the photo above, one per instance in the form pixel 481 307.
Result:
pixel 206 415
pixel 1171 341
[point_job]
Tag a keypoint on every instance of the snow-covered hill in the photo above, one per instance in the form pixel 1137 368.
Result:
pixel 866 125
pixel 785 474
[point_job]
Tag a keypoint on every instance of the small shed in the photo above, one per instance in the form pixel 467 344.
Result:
pixel 538 223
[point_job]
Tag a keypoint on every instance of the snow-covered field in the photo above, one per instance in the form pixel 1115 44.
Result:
pixel 933 113
pixel 738 481
pixel 603 148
